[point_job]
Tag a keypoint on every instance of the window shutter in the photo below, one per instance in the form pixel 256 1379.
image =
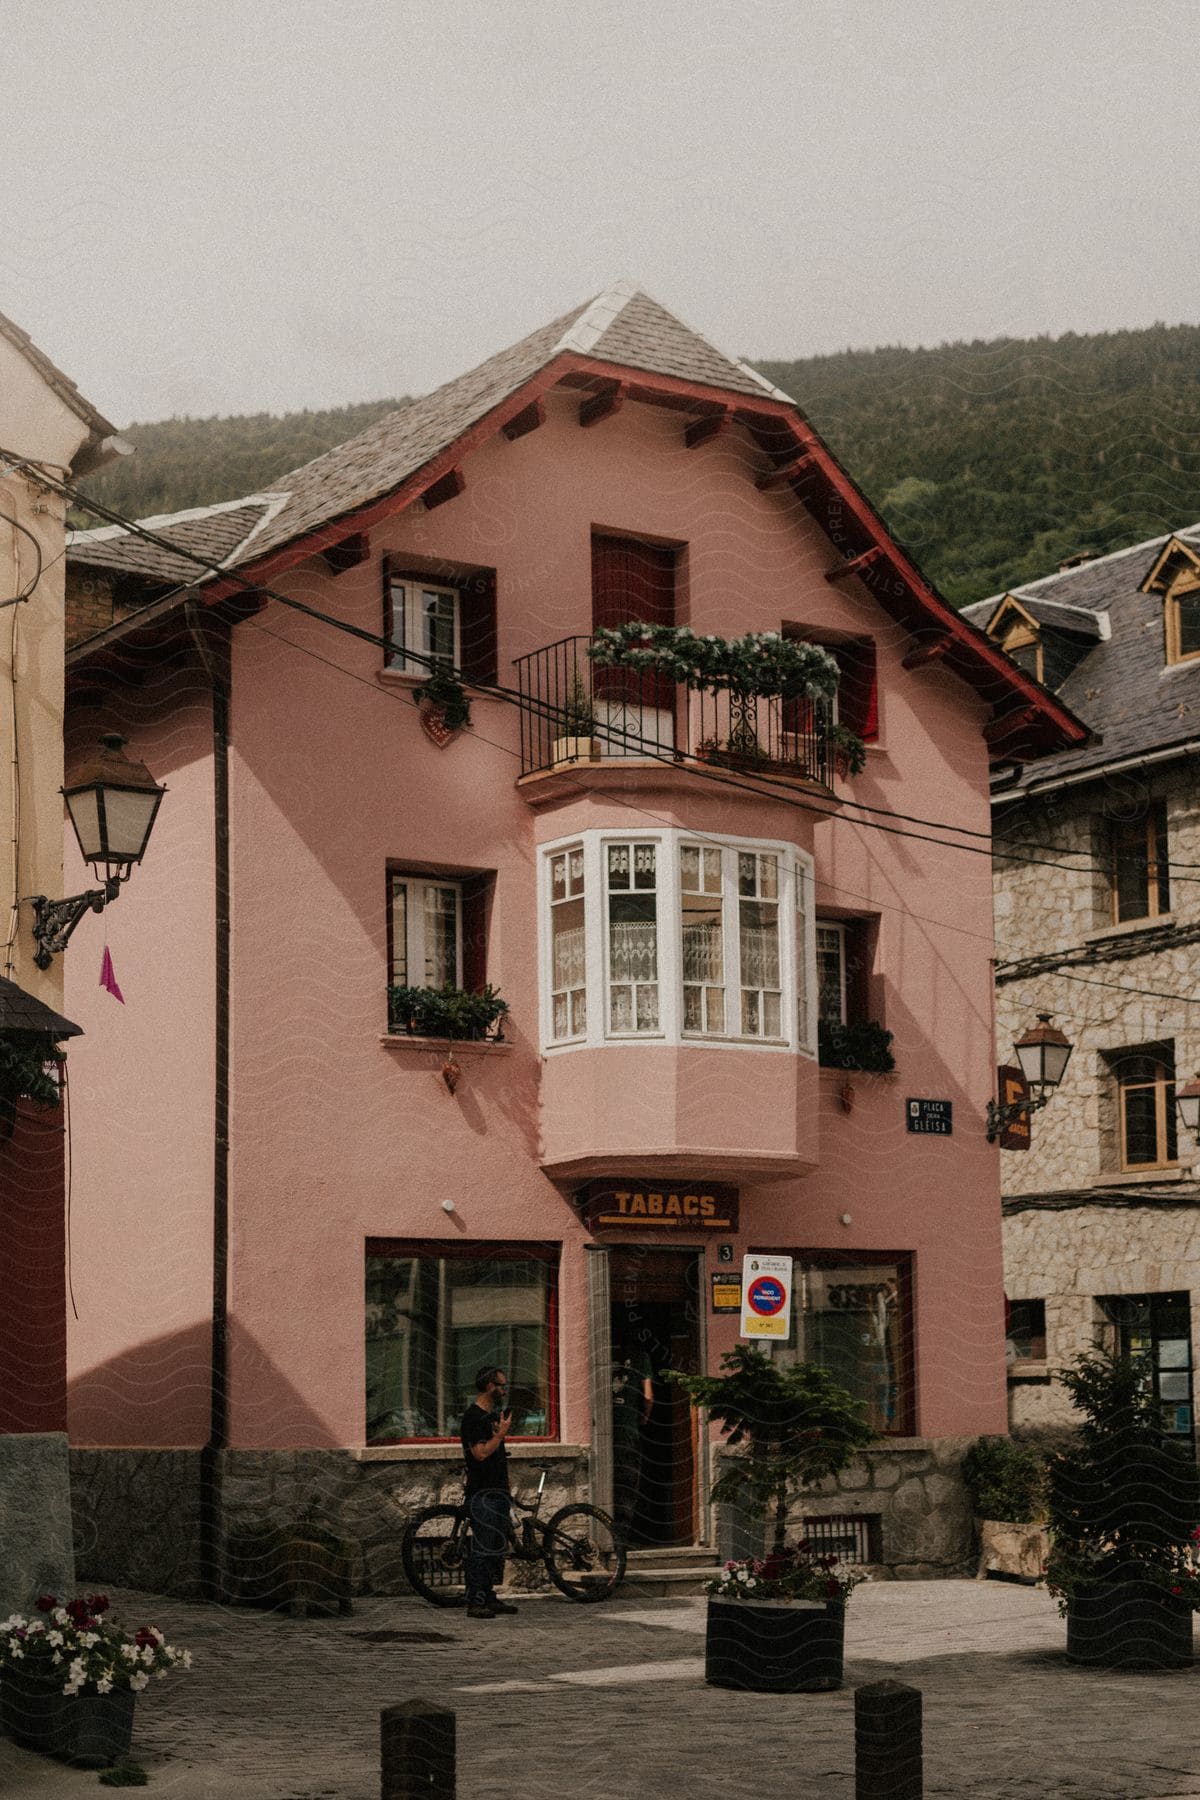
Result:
pixel 476 895
pixel 858 703
pixel 389 620
pixel 477 627
pixel 631 580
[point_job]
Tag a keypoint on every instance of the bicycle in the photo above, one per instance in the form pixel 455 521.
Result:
pixel 578 1546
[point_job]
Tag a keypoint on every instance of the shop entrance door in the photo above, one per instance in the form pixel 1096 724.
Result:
pixel 655 1325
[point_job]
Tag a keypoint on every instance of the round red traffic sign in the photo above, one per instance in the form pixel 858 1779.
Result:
pixel 766 1296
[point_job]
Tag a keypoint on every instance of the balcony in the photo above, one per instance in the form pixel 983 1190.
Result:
pixel 573 712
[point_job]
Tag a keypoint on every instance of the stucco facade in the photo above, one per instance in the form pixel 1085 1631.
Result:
pixel 344 1141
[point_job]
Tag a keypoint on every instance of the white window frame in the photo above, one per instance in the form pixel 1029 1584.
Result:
pixel 417 886
pixel 408 652
pixel 797 947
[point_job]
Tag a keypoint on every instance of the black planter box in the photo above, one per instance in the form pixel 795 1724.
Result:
pixel 93 1729
pixel 775 1649
pixel 1130 1625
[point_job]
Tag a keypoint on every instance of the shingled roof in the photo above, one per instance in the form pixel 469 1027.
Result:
pixel 621 344
pixel 1133 699
pixel 218 533
pixel 102 443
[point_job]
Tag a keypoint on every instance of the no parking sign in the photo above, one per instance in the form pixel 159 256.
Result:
pixel 766 1296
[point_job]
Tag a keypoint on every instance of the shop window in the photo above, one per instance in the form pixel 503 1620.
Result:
pixel 852 1314
pixel 677 940
pixel 1025 1330
pixel 1139 867
pixel 1155 1332
pixel 435 1313
pixel 1145 1090
pixel 440 620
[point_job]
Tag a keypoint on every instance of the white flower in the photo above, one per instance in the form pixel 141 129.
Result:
pixel 129 1652
pixel 138 1681
pixel 148 1654
pixel 61 1616
pixel 14 1648
pixel 76 1670
pixel 54 1637
pixel 187 1659
pixel 752 1582
pixel 104 1685
pixel 89 1638
pixel 743 1575
pixel 160 1674
pixel 57 1657
pixel 73 1687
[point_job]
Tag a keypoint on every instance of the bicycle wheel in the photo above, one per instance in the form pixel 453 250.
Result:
pixel 584 1557
pixel 434 1553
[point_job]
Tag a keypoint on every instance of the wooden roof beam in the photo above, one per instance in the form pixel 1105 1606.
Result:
pixel 348 554
pixel 713 425
pixel 1008 724
pixel 447 487
pixel 857 565
pixel 786 472
pixel 526 421
pixel 609 400
pixel 926 650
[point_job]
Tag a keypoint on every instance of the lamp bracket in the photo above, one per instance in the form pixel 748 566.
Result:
pixel 55 920
pixel 999 1117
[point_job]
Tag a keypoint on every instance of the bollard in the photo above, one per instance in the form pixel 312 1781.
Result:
pixel 416 1752
pixel 887 1742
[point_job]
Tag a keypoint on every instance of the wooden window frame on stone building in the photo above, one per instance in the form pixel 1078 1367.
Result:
pixel 1154 846
pixel 1163 1086
pixel 1019 636
pixel 1186 587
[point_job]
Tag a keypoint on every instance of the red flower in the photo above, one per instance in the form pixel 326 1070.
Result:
pixel 80 1614
pixel 46 1603
pixel 1177 1590
pixel 145 1637
pixel 98 1603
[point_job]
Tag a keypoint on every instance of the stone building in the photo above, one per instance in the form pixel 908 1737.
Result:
pixel 1097 879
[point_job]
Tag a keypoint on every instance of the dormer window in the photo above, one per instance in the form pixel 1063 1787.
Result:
pixel 1175 575
pixel 1024 644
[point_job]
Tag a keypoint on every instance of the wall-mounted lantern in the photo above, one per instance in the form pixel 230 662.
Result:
pixel 1043 1054
pixel 1187 1105
pixel 113 804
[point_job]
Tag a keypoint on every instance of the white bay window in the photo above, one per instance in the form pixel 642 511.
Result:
pixel 678 939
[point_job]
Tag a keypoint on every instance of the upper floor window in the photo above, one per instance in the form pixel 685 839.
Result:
pixel 1140 871
pixel 445 620
pixel 426 932
pixel 678 939
pixel 1182 619
pixel 831 972
pixel 1145 1082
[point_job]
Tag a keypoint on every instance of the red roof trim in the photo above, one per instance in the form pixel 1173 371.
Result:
pixel 972 655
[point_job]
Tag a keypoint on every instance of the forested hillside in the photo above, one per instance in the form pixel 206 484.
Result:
pixel 991 461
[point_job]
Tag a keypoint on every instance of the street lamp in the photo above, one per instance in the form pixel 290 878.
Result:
pixel 1043 1054
pixel 1187 1105
pixel 113 803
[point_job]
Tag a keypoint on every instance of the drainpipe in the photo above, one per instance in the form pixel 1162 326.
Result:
pixel 216 667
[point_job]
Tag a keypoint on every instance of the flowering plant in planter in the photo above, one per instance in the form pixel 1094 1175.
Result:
pixel 77 1645
pixel 761 662
pixel 796 1572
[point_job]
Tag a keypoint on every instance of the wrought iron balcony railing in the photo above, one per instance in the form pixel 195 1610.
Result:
pixel 572 711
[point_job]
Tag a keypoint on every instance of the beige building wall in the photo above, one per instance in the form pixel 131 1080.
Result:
pixel 36 422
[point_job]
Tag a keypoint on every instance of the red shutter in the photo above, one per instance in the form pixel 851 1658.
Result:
pixel 477 627
pixel 476 897
pixel 631 580
pixel 858 706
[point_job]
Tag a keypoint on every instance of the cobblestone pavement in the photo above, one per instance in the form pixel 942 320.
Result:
pixel 609 1703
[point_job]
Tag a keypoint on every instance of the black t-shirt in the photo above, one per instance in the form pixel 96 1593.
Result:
pixel 478 1427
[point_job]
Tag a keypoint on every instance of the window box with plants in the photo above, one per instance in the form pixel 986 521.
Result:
pixel 448 1013
pixel 1007 1482
pixel 776 1623
pixel 862 1046
pixel 1124 1513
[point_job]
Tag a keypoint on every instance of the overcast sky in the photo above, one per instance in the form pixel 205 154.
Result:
pixel 228 205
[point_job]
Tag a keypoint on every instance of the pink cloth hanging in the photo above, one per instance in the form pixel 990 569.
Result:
pixel 108 978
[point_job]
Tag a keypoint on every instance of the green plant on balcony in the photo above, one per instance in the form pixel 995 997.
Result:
pixel 578 714
pixel 761 664
pixel 863 1046
pixel 447 1012
pixel 848 750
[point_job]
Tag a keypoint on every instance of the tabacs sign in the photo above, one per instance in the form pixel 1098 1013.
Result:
pixel 659 1205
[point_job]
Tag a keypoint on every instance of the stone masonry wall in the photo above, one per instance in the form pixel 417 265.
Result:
pixel 136 1512
pixel 913 1486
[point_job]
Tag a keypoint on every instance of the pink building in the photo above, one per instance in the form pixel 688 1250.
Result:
pixel 296 1231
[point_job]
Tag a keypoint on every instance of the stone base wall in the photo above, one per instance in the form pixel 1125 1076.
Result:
pixel 136 1512
pixel 913 1486
pixel 35 1520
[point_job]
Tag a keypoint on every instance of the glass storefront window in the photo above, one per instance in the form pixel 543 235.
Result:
pixel 852 1317
pixel 434 1315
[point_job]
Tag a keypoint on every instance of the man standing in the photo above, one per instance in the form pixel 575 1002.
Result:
pixel 485 1425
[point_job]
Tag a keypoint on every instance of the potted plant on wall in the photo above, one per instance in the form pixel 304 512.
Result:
pixel 444 706
pixel 576 741
pixel 1007 1484
pixel 1124 1513
pixel 26 1061
pixel 70 1674
pixel 776 1623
